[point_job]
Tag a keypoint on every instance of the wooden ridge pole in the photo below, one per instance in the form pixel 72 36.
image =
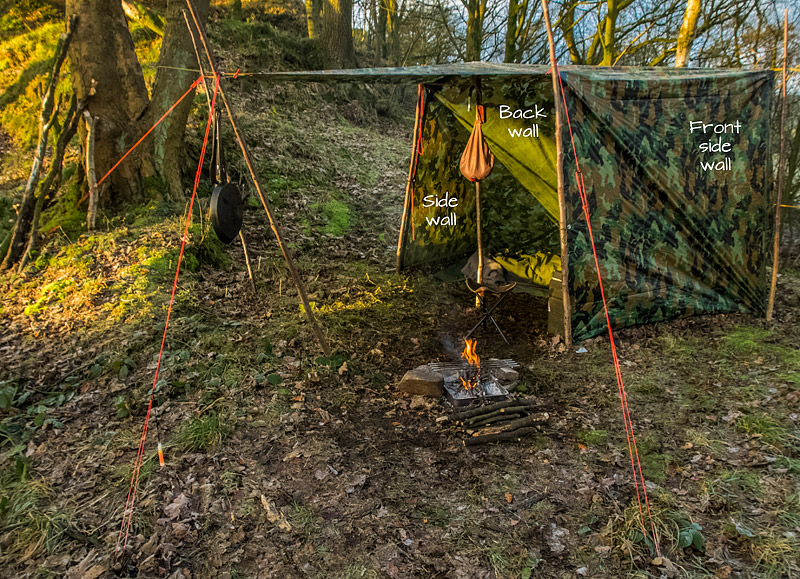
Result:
pixel 287 256
pixel 408 198
pixel 562 208
pixel 776 250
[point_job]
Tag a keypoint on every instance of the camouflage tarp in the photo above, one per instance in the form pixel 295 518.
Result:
pixel 673 239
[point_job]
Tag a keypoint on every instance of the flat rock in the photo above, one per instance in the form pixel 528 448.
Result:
pixel 423 382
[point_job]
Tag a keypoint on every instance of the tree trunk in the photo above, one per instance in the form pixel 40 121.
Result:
pixel 511 31
pixel 610 34
pixel 516 30
pixel 104 64
pixel 337 33
pixel 392 40
pixel 686 34
pixel 313 11
pixel 475 13
pixel 567 25
pixel 177 52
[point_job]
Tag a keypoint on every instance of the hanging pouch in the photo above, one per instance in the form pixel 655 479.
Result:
pixel 477 160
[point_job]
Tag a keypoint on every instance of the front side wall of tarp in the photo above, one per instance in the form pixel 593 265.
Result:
pixel 673 238
pixel 519 204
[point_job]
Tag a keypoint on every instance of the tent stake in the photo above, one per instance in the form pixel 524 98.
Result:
pixel 247 263
pixel 776 251
pixel 408 200
pixel 276 230
pixel 562 209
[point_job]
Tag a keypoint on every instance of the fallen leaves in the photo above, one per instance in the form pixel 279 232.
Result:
pixel 275 516
pixel 173 510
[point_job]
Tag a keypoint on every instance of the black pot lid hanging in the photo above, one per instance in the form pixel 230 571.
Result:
pixel 227 210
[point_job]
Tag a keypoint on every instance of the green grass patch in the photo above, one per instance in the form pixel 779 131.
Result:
pixel 30 513
pixel 337 217
pixel 765 427
pixel 593 437
pixel 52 292
pixel 204 433
pixel 745 341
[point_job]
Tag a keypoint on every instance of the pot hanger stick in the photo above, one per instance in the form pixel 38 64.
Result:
pixel 776 249
pixel 219 141
pixel 276 229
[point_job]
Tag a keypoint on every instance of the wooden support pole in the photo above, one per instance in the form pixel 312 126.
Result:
pixel 480 234
pixel 276 230
pixel 562 209
pixel 409 183
pixel 776 250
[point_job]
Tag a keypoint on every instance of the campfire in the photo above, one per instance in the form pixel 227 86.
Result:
pixel 471 378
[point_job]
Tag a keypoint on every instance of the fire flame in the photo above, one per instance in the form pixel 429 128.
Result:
pixel 470 354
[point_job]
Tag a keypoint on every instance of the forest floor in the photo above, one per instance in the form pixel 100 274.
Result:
pixel 283 463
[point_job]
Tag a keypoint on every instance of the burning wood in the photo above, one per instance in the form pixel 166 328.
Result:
pixel 470 354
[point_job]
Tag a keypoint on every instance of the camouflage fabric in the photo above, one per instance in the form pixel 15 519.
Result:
pixel 672 238
pixel 519 203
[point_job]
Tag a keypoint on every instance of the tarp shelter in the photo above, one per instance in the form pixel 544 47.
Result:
pixel 677 168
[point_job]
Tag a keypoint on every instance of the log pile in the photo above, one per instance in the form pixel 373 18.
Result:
pixel 506 420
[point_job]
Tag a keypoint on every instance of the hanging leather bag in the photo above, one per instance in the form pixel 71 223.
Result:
pixel 477 160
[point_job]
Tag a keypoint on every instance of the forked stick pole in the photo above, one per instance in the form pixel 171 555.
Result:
pixel 480 235
pixel 276 230
pixel 409 189
pixel 562 208
pixel 776 250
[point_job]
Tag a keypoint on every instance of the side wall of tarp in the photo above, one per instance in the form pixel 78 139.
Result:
pixel 673 239
pixel 519 205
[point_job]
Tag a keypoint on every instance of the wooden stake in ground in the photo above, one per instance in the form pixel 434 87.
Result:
pixel 562 209
pixel 247 263
pixel 276 230
pixel 776 251
pixel 91 175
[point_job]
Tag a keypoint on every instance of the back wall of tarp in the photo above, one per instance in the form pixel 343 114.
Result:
pixel 519 201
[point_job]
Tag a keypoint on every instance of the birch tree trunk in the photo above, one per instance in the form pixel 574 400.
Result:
pixel 686 33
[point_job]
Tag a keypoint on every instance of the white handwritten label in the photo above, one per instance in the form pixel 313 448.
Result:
pixel 506 112
pixel 716 144
pixel 447 202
